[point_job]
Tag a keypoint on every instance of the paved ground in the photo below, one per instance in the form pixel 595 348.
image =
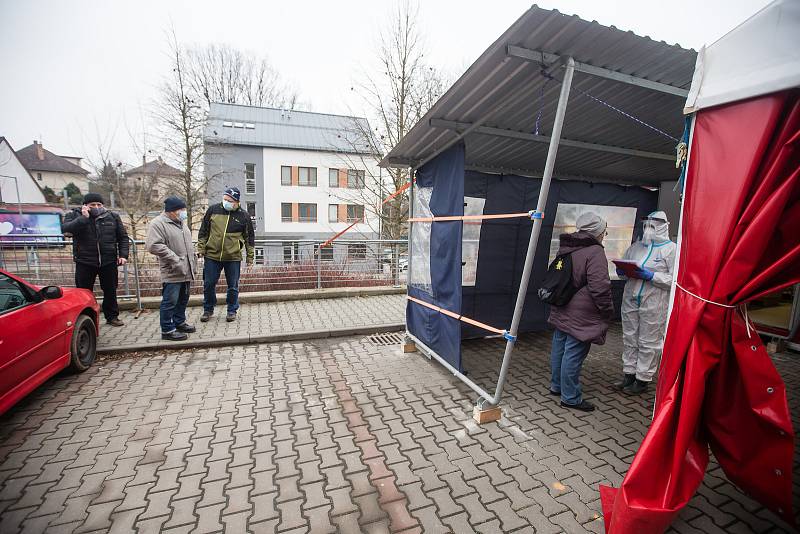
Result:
pixel 334 435
pixel 265 321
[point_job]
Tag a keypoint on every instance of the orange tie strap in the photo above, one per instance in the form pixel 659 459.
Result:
pixel 329 241
pixel 403 188
pixel 461 318
pixel 471 217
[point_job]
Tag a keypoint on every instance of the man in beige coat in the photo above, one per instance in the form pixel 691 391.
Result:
pixel 170 240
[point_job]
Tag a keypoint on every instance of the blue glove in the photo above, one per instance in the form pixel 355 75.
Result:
pixel 644 274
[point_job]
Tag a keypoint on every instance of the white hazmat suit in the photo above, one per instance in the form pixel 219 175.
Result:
pixel 645 302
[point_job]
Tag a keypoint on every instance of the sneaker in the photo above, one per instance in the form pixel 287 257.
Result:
pixel 637 388
pixel 230 317
pixel 206 316
pixel 115 322
pixel 627 380
pixel 174 336
pixel 186 328
pixel 584 406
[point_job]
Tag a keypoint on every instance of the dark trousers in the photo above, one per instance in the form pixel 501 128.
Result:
pixel 174 299
pixel 211 272
pixel 566 360
pixel 85 276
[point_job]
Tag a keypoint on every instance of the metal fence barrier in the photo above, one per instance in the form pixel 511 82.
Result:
pixel 279 265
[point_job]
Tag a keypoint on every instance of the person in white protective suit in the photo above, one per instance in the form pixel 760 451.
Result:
pixel 645 302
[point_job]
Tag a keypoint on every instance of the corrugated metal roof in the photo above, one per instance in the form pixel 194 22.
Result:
pixel 268 127
pixel 509 93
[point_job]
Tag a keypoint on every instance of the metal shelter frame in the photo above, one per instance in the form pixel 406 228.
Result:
pixel 548 64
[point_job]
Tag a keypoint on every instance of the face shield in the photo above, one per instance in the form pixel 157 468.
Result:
pixel 655 229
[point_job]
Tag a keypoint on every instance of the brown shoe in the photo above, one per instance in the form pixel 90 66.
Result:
pixel 115 322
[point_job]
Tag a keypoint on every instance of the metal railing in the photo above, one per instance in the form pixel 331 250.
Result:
pixel 279 265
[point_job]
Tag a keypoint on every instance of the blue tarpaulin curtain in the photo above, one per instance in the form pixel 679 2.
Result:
pixel 445 174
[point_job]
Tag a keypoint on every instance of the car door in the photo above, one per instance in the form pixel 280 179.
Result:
pixel 32 335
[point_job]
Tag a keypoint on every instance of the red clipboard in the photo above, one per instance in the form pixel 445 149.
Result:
pixel 628 267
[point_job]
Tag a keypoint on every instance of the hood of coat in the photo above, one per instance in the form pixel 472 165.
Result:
pixel 569 243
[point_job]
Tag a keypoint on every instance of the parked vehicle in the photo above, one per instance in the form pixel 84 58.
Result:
pixel 42 331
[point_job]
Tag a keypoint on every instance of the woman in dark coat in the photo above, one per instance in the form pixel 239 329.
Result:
pixel 586 317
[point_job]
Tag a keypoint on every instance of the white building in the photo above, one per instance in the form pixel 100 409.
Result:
pixel 53 171
pixel 303 176
pixel 14 177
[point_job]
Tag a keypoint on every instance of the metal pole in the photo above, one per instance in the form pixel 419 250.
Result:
pixel 410 225
pixel 541 204
pixel 66 199
pixel 319 265
pixel 136 277
pixel 410 230
pixel 396 261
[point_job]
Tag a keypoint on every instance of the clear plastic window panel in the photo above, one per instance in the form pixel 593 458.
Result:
pixel 621 222
pixel 420 275
pixel 470 240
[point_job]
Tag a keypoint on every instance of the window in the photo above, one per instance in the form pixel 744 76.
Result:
pixel 12 294
pixel 355 179
pixel 470 240
pixel 325 253
pixel 251 211
pixel 259 257
pixel 286 212
pixel 308 212
pixel 286 175
pixel 333 177
pixel 308 176
pixel 354 213
pixel 333 213
pixel 291 252
pixel 357 251
pixel 420 271
pixel 39 176
pixel 250 178
pixel 621 221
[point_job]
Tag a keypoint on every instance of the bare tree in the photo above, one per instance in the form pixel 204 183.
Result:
pixel 221 73
pixel 395 100
pixel 180 114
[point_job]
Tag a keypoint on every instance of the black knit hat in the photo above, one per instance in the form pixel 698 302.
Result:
pixel 174 204
pixel 92 197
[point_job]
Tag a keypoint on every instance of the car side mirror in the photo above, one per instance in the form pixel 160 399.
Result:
pixel 51 292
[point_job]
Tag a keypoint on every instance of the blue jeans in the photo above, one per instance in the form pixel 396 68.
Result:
pixel 566 360
pixel 211 272
pixel 174 298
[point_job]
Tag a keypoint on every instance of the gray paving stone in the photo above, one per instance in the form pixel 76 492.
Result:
pixel 331 435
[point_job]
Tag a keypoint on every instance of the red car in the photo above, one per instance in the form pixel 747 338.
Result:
pixel 42 331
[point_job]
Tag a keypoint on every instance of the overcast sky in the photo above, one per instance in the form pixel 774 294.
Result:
pixel 73 71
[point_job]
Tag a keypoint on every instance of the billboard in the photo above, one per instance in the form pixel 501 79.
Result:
pixel 39 227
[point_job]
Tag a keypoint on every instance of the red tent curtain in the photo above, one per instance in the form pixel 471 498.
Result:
pixel 717 386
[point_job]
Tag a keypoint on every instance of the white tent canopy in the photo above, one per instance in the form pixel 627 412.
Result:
pixel 760 56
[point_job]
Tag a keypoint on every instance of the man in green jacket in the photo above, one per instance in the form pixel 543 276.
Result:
pixel 226 230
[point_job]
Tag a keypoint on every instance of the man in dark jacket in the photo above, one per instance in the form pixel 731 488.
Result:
pixel 99 245
pixel 226 230
pixel 586 317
